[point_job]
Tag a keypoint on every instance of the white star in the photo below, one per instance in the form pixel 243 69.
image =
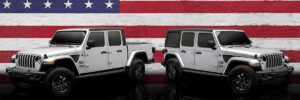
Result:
pixel 6 4
pixel 109 4
pixel 27 4
pixel 68 4
pixel 47 4
pixel 88 4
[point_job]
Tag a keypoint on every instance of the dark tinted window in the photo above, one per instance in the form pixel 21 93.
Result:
pixel 233 38
pixel 173 40
pixel 188 39
pixel 98 37
pixel 203 39
pixel 68 37
pixel 114 38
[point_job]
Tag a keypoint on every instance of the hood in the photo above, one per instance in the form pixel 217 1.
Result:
pixel 52 50
pixel 249 51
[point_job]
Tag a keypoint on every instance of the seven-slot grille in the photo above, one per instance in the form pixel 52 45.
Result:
pixel 24 60
pixel 272 60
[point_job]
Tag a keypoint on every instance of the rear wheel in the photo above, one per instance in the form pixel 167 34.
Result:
pixel 173 69
pixel 60 82
pixel 242 79
pixel 137 70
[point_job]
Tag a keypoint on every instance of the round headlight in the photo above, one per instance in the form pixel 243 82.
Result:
pixel 286 59
pixel 38 59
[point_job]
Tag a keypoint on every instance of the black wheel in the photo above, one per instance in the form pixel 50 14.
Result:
pixel 242 79
pixel 60 82
pixel 173 69
pixel 21 84
pixel 137 70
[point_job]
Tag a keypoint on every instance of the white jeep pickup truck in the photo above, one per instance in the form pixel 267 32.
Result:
pixel 79 53
pixel 224 53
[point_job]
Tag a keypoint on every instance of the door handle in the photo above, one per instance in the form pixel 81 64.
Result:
pixel 198 52
pixel 119 50
pixel 183 51
pixel 103 52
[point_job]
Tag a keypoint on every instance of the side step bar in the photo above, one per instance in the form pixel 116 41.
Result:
pixel 203 72
pixel 107 72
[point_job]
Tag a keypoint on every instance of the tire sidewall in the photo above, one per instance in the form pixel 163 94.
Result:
pixel 134 67
pixel 52 74
pixel 251 74
pixel 177 68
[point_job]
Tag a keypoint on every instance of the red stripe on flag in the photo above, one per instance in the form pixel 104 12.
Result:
pixel 5 56
pixel 294 56
pixel 150 31
pixel 209 6
pixel 159 56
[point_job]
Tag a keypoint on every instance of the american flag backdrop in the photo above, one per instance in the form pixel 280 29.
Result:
pixel 28 24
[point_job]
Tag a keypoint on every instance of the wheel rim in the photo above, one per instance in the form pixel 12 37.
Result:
pixel 241 81
pixel 139 72
pixel 171 71
pixel 61 83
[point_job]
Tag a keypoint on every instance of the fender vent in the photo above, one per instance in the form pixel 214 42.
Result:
pixel 75 57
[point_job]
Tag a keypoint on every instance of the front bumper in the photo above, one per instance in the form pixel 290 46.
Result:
pixel 269 75
pixel 26 75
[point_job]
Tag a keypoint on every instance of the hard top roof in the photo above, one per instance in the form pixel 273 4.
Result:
pixel 203 29
pixel 90 29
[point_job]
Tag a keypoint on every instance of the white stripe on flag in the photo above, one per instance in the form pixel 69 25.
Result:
pixel 154 19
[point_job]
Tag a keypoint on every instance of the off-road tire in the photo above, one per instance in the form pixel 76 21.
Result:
pixel 173 70
pixel 137 70
pixel 58 79
pixel 242 80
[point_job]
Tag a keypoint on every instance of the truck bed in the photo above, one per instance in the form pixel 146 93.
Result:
pixel 134 46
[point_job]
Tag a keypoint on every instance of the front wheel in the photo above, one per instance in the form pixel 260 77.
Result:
pixel 242 79
pixel 137 70
pixel 60 82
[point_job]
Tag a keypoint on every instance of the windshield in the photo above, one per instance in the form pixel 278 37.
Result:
pixel 233 38
pixel 68 37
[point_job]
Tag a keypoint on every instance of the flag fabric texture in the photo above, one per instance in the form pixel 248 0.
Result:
pixel 28 24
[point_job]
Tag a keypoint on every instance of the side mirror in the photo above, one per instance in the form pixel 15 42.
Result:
pixel 212 44
pixel 90 44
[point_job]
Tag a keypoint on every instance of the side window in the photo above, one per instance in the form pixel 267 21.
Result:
pixel 173 40
pixel 203 39
pixel 188 39
pixel 98 37
pixel 114 38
